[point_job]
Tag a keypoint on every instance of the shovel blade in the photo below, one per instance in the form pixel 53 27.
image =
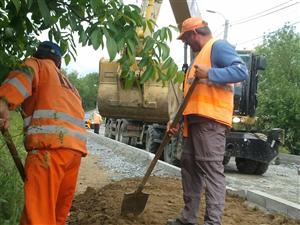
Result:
pixel 134 203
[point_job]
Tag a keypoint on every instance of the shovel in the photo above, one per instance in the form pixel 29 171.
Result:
pixel 134 203
pixel 14 153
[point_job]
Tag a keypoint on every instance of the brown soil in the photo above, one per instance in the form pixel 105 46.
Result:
pixel 90 175
pixel 102 206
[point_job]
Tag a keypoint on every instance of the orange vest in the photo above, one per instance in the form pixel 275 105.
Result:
pixel 210 100
pixel 97 118
pixel 54 117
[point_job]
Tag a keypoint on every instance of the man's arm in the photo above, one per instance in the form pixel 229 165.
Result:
pixel 14 90
pixel 227 66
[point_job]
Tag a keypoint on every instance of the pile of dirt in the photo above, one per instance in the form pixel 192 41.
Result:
pixel 102 206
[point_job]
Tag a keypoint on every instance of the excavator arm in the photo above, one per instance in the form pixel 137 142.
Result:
pixel 183 9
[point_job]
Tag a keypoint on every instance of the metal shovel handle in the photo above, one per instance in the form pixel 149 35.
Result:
pixel 167 138
pixel 14 153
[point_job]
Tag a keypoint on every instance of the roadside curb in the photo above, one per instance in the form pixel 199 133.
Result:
pixel 287 158
pixel 262 199
pixel 269 202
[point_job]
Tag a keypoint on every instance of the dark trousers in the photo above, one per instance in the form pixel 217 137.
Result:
pixel 202 168
pixel 96 128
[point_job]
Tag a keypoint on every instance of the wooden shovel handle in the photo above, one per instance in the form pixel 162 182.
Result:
pixel 14 153
pixel 167 138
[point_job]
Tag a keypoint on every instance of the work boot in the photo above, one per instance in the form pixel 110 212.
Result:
pixel 178 222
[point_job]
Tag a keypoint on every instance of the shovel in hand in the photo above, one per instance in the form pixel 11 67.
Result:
pixel 134 203
pixel 14 153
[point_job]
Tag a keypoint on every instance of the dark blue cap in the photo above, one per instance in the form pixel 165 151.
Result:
pixel 50 46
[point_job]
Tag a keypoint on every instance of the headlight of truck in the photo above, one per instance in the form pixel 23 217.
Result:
pixel 236 120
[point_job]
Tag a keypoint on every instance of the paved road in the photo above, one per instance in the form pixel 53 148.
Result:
pixel 280 180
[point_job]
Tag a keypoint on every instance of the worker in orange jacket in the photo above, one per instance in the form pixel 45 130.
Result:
pixel 97 122
pixel 54 133
pixel 207 116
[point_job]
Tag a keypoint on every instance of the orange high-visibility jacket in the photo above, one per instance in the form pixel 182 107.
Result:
pixel 54 117
pixel 210 100
pixel 97 118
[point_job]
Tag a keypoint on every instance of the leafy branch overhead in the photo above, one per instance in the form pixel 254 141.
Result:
pixel 98 23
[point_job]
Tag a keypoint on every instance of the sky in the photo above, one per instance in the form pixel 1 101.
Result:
pixel 249 21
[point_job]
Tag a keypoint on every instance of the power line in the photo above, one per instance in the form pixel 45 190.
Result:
pixel 256 14
pixel 253 39
pixel 254 18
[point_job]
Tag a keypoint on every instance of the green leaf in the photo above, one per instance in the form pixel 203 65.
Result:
pixel 179 77
pixel 17 4
pixel 149 44
pixel 130 46
pixel 96 38
pixel 172 70
pixel 111 45
pixel 120 43
pixel 29 3
pixel 149 72
pixel 143 62
pixel 67 59
pixel 162 34
pixel 150 25
pixel 96 5
pixel 130 80
pixel 169 34
pixel 165 51
pixel 112 27
pixel 167 63
pixel 63 22
pixel 44 10
pixel 78 10
pixel 64 46
pixel 83 37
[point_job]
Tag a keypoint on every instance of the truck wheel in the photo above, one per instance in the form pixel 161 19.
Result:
pixel 226 160
pixel 107 132
pixel 122 131
pixel 261 168
pixel 246 166
pixel 151 145
pixel 169 153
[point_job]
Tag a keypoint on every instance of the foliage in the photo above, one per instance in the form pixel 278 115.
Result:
pixel 98 23
pixel 279 85
pixel 11 186
pixel 87 87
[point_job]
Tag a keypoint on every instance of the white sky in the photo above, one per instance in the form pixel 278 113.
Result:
pixel 244 36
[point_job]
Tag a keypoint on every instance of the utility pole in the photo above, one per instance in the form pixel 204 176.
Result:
pixel 226 26
pixel 226 22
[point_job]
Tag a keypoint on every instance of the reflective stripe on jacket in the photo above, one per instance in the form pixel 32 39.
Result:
pixel 210 100
pixel 54 117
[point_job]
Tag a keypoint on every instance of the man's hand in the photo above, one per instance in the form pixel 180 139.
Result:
pixel 172 130
pixel 201 71
pixel 4 115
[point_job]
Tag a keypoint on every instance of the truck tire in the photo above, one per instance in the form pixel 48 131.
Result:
pixel 107 132
pixel 151 135
pixel 261 168
pixel 170 151
pixel 226 160
pixel 246 166
pixel 122 130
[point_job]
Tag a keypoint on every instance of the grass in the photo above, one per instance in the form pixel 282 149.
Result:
pixel 11 185
pixel 283 149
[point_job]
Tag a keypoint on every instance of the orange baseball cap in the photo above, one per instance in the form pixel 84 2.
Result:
pixel 191 24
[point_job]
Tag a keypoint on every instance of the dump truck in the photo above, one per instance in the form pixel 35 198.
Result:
pixel 138 116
